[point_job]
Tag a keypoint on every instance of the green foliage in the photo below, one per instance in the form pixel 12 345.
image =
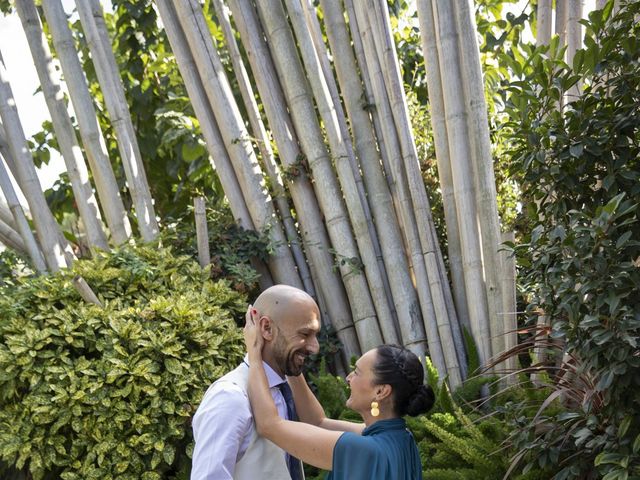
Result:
pixel 231 247
pixel 453 446
pixel 332 390
pixel 325 360
pixel 108 392
pixel 580 170
pixel 12 266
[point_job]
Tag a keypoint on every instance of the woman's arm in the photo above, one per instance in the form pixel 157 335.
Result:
pixel 310 411
pixel 311 444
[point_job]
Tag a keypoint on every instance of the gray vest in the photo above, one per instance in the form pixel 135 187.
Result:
pixel 263 459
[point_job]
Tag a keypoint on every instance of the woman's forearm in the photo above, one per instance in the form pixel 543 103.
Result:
pixel 310 410
pixel 264 409
pixel 307 405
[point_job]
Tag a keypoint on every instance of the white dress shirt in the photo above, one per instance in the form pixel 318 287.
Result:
pixel 223 426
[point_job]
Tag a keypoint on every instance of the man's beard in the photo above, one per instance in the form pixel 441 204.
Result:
pixel 286 360
pixel 292 368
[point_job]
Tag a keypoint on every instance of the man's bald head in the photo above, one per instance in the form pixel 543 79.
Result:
pixel 294 321
pixel 281 301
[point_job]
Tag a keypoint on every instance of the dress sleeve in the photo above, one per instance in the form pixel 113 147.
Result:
pixel 355 457
pixel 219 428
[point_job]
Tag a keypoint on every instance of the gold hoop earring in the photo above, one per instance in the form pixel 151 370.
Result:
pixel 375 411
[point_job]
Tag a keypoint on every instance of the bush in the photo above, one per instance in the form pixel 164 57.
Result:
pixel 108 393
pixel 581 259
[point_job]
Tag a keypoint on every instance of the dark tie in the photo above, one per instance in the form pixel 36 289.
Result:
pixel 295 467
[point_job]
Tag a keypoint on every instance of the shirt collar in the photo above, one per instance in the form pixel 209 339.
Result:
pixel 273 379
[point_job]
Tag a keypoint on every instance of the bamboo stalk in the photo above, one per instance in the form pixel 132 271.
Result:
pixel 264 146
pixel 17 221
pixel 5 152
pixel 343 156
pixel 65 134
pixel 92 138
pixel 215 145
pixel 85 291
pixel 573 28
pixel 202 233
pixel 561 21
pixel 11 239
pixel 509 304
pixel 440 135
pixel 296 90
pixel 574 41
pixel 315 235
pixel 95 30
pixel 399 187
pixel 5 212
pixel 218 155
pixel 315 30
pixel 378 18
pixel 403 291
pixel 483 174
pixel 55 248
pixel 543 28
pixel 460 152
pixel 236 140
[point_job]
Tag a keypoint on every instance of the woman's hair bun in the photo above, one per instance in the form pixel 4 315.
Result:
pixel 420 401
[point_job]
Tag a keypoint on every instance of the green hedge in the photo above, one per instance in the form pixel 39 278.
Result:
pixel 99 393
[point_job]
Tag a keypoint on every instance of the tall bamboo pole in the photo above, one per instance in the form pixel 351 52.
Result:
pixel 92 138
pixel 483 174
pixel 5 214
pixel 378 18
pixel 399 187
pixel 574 40
pixel 19 220
pixel 202 232
pixel 460 152
pixel 296 90
pixel 55 248
pixel 342 153
pixel 440 135
pixel 543 21
pixel 315 235
pixel 11 239
pixel 218 155
pixel 573 28
pixel 104 61
pixel 5 152
pixel 65 134
pixel 560 27
pixel 195 89
pixel 313 24
pixel 264 146
pixel 403 291
pixel 236 139
pixel 509 313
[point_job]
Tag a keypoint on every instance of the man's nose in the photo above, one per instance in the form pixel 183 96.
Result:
pixel 313 346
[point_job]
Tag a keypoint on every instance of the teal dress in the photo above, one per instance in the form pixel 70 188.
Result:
pixel 386 450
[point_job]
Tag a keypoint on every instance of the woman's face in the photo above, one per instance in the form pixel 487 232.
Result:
pixel 362 383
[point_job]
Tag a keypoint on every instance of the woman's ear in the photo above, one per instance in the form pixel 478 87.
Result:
pixel 383 391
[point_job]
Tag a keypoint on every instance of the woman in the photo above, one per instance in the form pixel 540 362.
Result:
pixel 386 384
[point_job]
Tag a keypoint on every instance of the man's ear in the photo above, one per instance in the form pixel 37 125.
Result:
pixel 266 328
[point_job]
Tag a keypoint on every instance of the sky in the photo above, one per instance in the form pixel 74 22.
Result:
pixel 24 82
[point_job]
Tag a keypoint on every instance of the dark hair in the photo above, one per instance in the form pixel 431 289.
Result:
pixel 402 370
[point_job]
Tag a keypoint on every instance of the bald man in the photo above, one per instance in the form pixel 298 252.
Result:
pixel 227 444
